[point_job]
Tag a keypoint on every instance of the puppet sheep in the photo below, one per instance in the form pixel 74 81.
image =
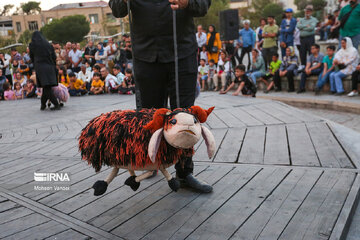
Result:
pixel 147 140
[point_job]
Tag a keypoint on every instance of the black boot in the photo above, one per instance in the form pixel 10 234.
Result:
pixel 174 184
pixel 192 182
pixel 100 187
pixel 132 183
pixel 56 107
pixel 42 108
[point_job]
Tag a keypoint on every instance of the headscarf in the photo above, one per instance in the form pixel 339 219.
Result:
pixel 40 45
pixel 292 51
pixel 101 51
pixel 349 52
pixel 212 39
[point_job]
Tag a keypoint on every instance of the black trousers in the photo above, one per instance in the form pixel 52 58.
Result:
pixel 305 48
pixel 48 94
pixel 290 78
pixel 156 83
pixel 355 80
pixel 245 50
pixel 267 55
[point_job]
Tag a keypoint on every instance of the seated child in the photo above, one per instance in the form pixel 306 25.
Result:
pixel 18 90
pixel 128 85
pixel 8 93
pixel 203 71
pixel 274 66
pixel 24 69
pixel 76 87
pixel 30 90
pixel 211 73
pixel 97 85
pixel 246 86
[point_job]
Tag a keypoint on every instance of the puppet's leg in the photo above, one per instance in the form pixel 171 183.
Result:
pixel 101 186
pixel 134 181
pixel 173 182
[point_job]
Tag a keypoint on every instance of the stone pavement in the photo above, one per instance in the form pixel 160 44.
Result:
pixel 278 173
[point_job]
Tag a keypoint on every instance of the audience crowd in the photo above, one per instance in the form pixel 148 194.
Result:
pixel 273 50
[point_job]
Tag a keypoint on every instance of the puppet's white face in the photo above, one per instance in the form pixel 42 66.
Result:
pixel 183 130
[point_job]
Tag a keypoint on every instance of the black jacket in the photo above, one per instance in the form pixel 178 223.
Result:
pixel 153 30
pixel 43 56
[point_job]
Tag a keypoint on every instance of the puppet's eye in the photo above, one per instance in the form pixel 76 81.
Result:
pixel 173 121
pixel 195 120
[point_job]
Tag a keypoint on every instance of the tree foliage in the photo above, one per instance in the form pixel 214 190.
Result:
pixel 212 17
pixel 30 7
pixel 275 10
pixel 318 5
pixel 25 37
pixel 6 9
pixel 71 28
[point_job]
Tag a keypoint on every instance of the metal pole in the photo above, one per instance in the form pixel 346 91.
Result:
pixel 176 61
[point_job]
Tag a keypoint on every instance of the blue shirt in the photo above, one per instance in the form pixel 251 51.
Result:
pixel 248 37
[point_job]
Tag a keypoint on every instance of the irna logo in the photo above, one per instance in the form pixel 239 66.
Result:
pixel 51 177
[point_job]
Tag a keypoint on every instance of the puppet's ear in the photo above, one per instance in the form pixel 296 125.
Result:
pixel 209 141
pixel 154 144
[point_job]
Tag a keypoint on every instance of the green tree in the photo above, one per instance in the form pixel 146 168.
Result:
pixel 25 37
pixel 212 17
pixel 256 11
pixel 275 10
pixel 71 28
pixel 30 7
pixel 6 9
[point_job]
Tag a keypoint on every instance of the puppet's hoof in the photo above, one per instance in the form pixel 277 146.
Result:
pixel 100 187
pixel 174 184
pixel 132 183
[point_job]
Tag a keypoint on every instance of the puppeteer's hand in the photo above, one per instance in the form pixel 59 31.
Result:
pixel 178 4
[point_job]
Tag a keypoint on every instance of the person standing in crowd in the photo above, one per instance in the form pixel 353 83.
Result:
pixel 201 39
pixel 89 54
pixel 213 44
pixel 345 60
pixel 246 42
pixel 288 68
pixel 270 33
pixel 154 53
pixel 287 31
pixel 349 18
pixel 75 58
pixel 43 56
pixel 328 68
pixel 307 27
pixel 313 66
pixel 259 34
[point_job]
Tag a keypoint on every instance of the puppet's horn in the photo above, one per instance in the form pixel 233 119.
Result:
pixel 158 119
pixel 209 141
pixel 201 113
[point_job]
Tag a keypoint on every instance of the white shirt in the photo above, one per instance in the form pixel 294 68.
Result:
pixel 110 80
pixel 226 66
pixel 75 56
pixel 203 55
pixel 201 40
pixel 85 77
pixel 203 70
pixel 108 50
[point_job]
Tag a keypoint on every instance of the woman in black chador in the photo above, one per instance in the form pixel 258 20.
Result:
pixel 43 56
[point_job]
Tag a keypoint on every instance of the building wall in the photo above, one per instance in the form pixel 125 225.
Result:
pixel 96 27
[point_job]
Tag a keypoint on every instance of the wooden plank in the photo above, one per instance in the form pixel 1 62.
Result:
pixel 164 208
pixel 230 146
pixel 252 150
pixel 39 232
pixel 215 122
pixel 276 146
pixel 68 144
pixel 261 115
pixel 6 205
pixel 226 220
pixel 201 153
pixel 314 204
pixel 68 234
pixel 302 151
pixel 254 226
pixel 297 113
pixel 327 147
pixel 133 205
pixel 14 213
pixel 244 117
pixel 229 119
pixel 182 223
pixel 21 224
pixel 277 111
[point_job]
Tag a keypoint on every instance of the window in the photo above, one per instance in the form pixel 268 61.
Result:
pixel 49 19
pixel 18 26
pixel 94 18
pixel 110 17
pixel 33 26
